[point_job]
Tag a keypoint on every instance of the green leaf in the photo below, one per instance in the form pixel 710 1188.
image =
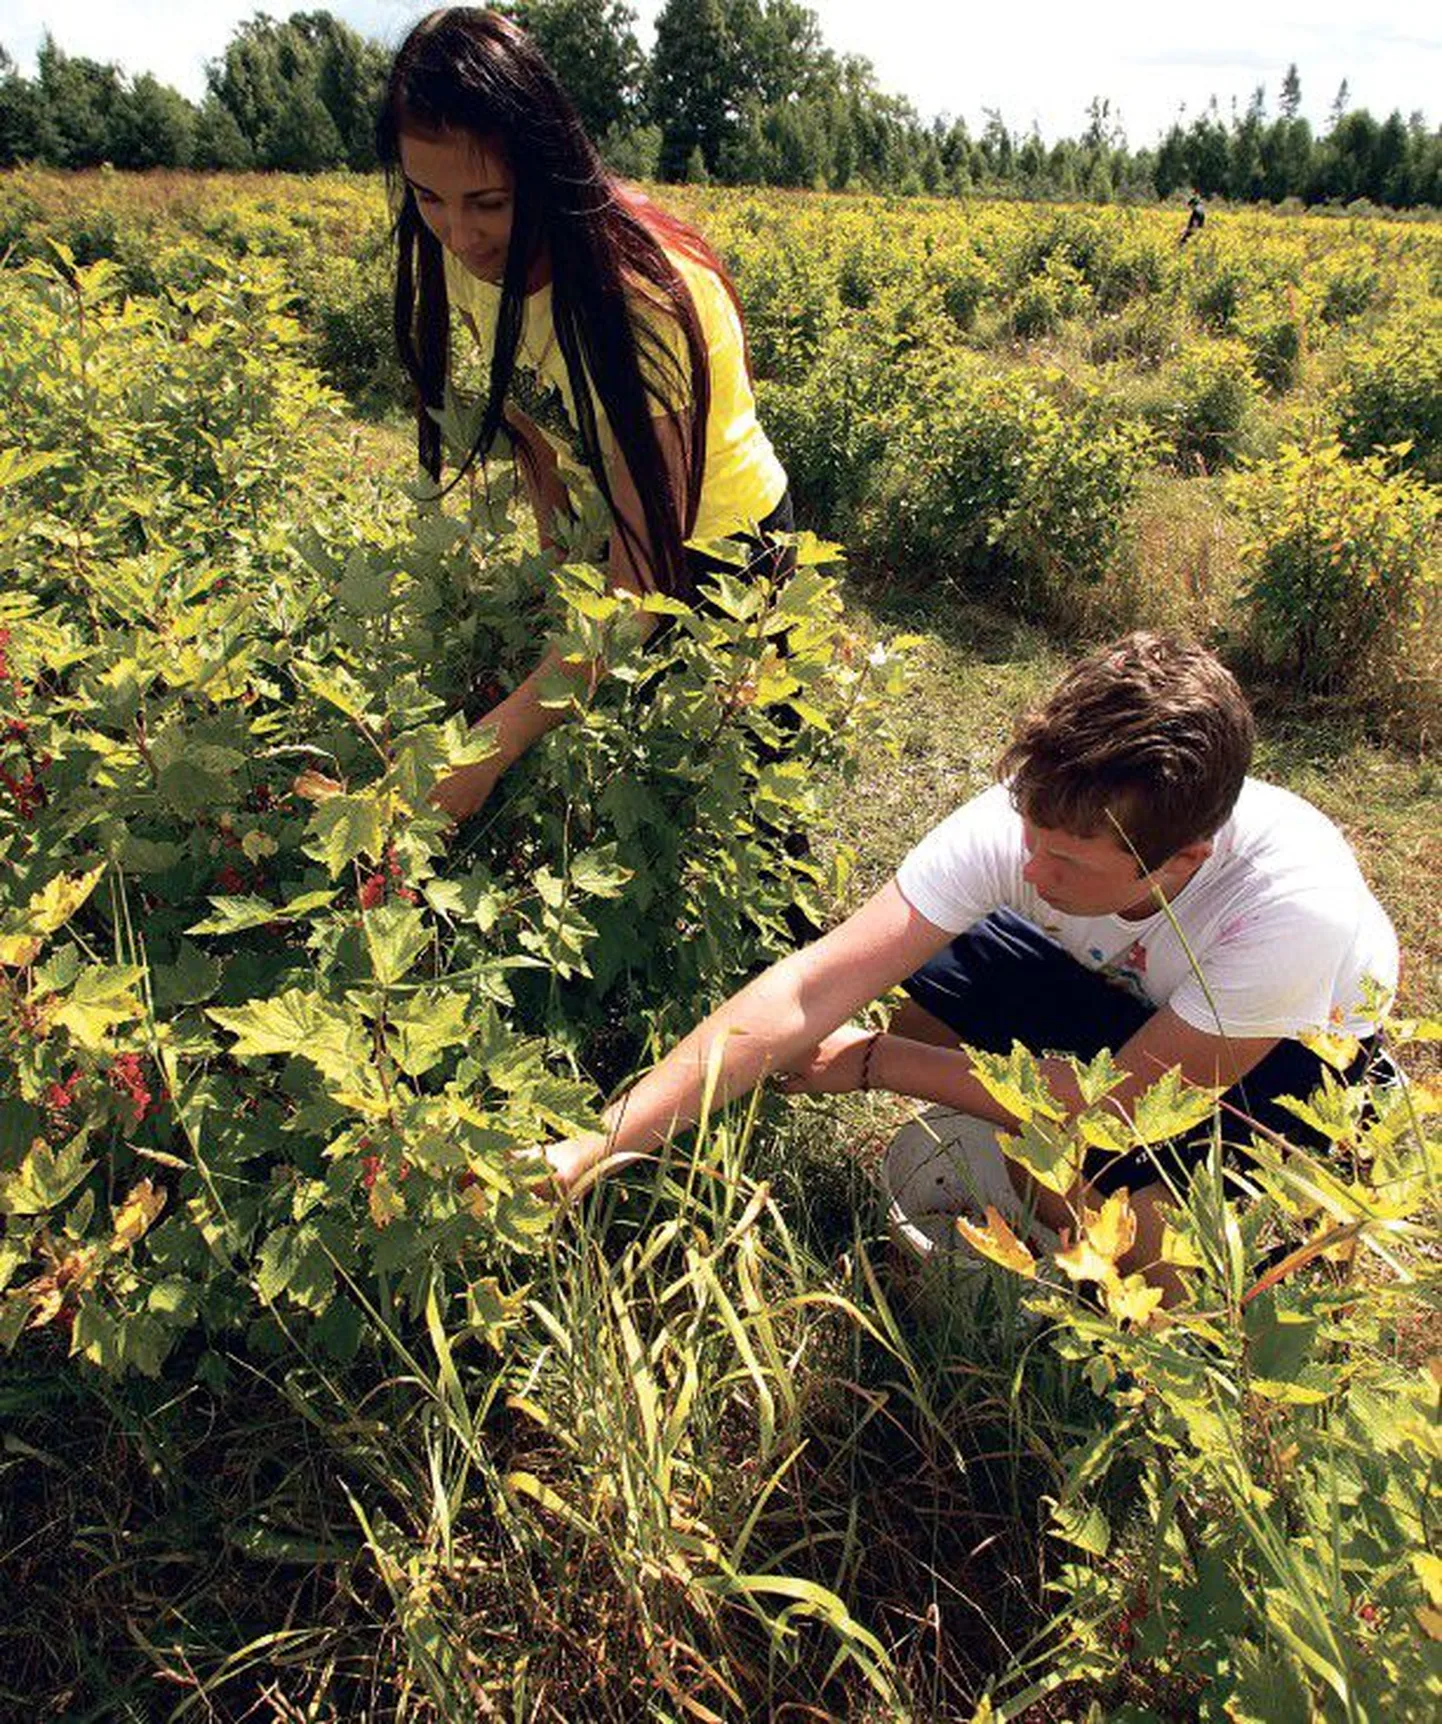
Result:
pixel 13 1254
pixel 57 972
pixel 597 872
pixel 736 598
pixel 1279 1343
pixel 1171 1107
pixel 295 1022
pixel 192 978
pixel 344 827
pixel 1098 1077
pixel 294 1261
pixel 365 589
pixel 1082 1525
pixel 235 915
pixel 630 806
pixel 191 787
pixel 45 1178
pixel 138 855
pixel 139 1341
pixel 420 1030
pixel 20 1124
pixel 1270 1686
pixel 1050 1153
pixel 396 935
pixel 336 686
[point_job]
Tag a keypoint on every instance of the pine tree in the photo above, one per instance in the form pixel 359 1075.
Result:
pixel 1291 93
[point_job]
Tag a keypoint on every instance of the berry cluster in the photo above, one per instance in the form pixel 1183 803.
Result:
pixel 375 888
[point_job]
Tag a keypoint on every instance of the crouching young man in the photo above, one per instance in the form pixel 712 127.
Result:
pixel 1125 885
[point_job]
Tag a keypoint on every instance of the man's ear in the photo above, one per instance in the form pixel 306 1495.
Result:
pixel 1183 863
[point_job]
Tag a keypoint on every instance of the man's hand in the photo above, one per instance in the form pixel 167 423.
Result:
pixel 832 1067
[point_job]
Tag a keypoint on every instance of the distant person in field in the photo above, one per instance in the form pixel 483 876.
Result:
pixel 595 311
pixel 1196 218
pixel 1124 885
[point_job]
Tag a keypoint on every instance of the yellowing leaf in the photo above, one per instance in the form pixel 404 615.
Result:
pixel 1107 1234
pixel 1429 1572
pixel 491 1311
pixel 48 910
pixel 386 1203
pixel 315 786
pixel 1014 1081
pixel 103 995
pixel 1133 1300
pixel 1170 1107
pixel 345 827
pixel 528 1485
pixel 997 1242
pixel 1178 1249
pixel 1430 1620
pixel 1338 1051
pixel 1113 1228
pixel 136 1214
pixel 1083 1262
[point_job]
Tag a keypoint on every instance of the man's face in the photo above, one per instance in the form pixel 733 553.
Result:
pixel 1093 876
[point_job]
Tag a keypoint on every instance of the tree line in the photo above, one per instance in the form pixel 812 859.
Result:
pixel 739 91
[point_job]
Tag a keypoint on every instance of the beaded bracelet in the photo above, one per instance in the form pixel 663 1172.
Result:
pixel 866 1059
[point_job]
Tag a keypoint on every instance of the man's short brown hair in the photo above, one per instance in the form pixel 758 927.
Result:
pixel 1148 739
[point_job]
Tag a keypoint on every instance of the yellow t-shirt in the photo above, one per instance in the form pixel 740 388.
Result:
pixel 742 481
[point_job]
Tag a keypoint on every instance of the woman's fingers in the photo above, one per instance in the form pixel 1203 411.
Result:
pixel 464 792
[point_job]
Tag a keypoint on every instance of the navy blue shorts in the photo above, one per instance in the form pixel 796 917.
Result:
pixel 1005 981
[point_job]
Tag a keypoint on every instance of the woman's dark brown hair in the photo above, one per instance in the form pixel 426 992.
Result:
pixel 472 72
pixel 1148 740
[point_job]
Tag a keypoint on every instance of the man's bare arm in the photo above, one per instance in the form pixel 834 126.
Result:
pixel 773 1022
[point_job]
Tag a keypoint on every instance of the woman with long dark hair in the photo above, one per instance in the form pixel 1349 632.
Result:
pixel 582 293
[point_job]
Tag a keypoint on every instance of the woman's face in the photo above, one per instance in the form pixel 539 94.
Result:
pixel 465 192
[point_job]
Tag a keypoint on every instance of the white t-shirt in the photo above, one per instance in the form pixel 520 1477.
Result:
pixel 1276 932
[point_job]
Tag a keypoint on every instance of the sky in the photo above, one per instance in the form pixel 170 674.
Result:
pixel 1038 63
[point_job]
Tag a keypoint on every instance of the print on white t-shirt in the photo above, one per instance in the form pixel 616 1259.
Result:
pixel 1276 933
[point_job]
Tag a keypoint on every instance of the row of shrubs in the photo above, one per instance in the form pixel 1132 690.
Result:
pixel 1353 303
pixel 974 392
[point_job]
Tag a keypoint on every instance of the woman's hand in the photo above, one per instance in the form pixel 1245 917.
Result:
pixel 464 792
pixel 576 1163
pixel 833 1066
